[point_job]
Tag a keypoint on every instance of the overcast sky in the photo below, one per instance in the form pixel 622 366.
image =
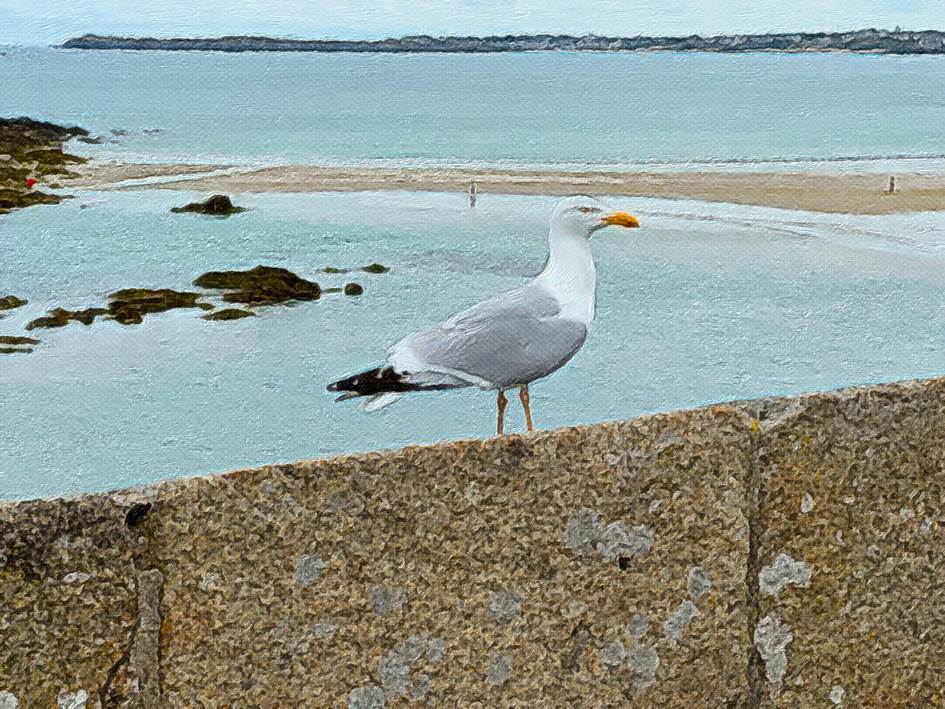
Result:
pixel 51 21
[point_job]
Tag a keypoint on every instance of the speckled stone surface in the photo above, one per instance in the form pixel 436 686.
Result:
pixel 785 552
pixel 495 573
pixel 67 598
pixel 850 538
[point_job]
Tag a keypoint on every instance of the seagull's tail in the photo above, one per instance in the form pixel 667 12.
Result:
pixel 379 401
pixel 383 386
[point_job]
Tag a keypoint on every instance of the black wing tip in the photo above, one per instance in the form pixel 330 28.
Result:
pixel 370 382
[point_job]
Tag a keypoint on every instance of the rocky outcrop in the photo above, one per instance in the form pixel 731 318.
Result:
pixel 868 40
pixel 353 289
pixel 10 344
pixel 262 285
pixel 60 317
pixel 30 151
pixel 218 205
pixel 127 306
pixel 776 553
pixel 229 314
pixel 9 302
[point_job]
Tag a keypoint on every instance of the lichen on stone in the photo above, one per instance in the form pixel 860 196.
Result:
pixel 637 626
pixel 643 662
pixel 395 667
pixel 308 570
pixel 324 628
pixel 676 624
pixel 697 583
pixel 505 606
pixel 369 697
pixel 837 694
pixel 785 571
pixel 771 640
pixel 72 700
pixel 585 533
pixel 807 503
pixel 613 654
pixel 617 542
pixel 500 670
pixel 385 600
pixel 436 649
pixel 420 687
pixel 583 530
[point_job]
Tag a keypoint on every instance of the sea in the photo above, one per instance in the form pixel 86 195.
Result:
pixel 708 302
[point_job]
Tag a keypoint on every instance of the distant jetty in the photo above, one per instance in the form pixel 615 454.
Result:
pixel 871 41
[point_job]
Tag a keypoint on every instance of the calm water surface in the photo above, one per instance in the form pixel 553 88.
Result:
pixel 706 303
pixel 539 108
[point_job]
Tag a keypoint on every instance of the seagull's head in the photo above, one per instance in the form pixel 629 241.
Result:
pixel 583 215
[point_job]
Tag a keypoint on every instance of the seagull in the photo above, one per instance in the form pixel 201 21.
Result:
pixel 508 341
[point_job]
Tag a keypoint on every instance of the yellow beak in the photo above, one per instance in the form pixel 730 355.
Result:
pixel 621 219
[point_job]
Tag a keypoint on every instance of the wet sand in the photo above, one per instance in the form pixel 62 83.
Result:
pixel 837 193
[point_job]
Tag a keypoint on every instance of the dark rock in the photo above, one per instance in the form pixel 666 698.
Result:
pixel 353 289
pixel 17 199
pixel 14 350
pixel 10 340
pixel 332 290
pixel 129 306
pixel 262 285
pixel 35 150
pixel 91 140
pixel 375 268
pixel 9 302
pixel 217 205
pixel 120 132
pixel 60 317
pixel 229 314
pixel 332 269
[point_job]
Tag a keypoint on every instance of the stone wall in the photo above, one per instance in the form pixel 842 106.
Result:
pixel 783 552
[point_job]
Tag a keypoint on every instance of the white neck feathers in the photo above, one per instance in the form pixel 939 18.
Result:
pixel 570 275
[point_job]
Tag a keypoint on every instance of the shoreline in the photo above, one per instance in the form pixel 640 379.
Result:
pixel 826 192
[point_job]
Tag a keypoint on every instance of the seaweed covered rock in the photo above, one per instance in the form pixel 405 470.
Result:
pixel 30 151
pixel 9 302
pixel 262 285
pixel 370 268
pixel 60 317
pixel 11 344
pixel 229 314
pixel 129 306
pixel 375 268
pixel 353 289
pixel 15 340
pixel 218 205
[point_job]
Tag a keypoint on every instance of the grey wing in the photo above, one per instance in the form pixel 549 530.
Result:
pixel 513 339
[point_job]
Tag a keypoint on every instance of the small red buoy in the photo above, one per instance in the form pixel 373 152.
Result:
pixel 30 181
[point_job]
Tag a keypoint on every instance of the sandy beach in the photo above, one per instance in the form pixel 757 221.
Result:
pixel 837 193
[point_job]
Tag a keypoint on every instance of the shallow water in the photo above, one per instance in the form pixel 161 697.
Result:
pixel 548 108
pixel 706 303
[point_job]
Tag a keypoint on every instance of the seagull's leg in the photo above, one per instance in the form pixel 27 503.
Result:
pixel 523 395
pixel 501 402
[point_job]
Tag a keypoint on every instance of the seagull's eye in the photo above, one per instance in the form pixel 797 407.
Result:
pixel 588 210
